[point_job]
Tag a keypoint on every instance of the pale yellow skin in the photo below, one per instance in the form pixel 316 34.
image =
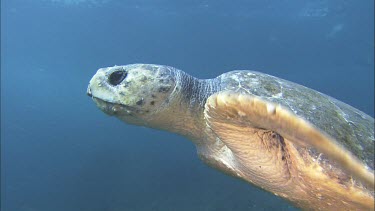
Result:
pixel 241 135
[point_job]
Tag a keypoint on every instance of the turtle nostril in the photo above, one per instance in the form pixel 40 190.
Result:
pixel 89 92
pixel 117 77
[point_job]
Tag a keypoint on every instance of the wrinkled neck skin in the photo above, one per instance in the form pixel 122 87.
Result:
pixel 183 114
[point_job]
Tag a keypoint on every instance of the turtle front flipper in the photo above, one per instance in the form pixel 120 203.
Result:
pixel 255 112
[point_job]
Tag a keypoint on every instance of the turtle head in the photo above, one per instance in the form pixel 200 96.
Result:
pixel 134 93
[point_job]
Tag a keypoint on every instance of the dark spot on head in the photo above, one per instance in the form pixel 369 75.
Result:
pixel 164 81
pixel 164 89
pixel 126 84
pixel 260 166
pixel 163 74
pixel 140 102
pixel 283 157
pixel 143 79
pixel 152 102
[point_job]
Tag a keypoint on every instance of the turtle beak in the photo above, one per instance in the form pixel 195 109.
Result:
pixel 89 91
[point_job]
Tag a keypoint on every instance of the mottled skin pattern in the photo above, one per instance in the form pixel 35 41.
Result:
pixel 166 98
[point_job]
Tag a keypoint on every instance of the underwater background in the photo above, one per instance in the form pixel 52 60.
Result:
pixel 59 152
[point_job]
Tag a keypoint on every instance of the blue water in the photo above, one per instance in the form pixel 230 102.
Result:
pixel 59 152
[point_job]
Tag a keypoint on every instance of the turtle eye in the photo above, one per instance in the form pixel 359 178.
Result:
pixel 117 77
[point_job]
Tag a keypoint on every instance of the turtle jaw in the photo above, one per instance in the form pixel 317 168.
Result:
pixel 125 113
pixel 112 109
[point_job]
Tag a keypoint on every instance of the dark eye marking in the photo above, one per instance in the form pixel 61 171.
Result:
pixel 117 77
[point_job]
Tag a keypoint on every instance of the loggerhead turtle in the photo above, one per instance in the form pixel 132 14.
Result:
pixel 295 142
